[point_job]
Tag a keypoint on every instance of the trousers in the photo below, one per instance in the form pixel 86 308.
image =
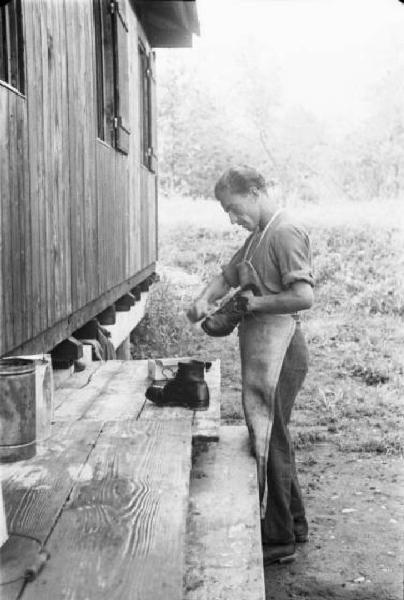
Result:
pixel 285 513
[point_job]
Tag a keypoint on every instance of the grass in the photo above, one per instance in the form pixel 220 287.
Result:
pixel 354 330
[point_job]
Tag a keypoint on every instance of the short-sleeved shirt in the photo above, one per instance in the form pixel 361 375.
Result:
pixel 282 257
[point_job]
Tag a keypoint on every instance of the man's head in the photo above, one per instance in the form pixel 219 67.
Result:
pixel 241 191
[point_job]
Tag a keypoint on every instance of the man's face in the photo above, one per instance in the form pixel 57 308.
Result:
pixel 242 209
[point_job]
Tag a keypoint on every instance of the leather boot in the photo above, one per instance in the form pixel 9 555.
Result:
pixel 278 553
pixel 188 388
pixel 227 317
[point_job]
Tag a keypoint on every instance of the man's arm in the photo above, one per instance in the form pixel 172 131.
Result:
pixel 216 289
pixel 299 296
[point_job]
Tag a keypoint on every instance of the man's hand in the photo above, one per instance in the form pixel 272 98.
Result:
pixel 249 296
pixel 198 310
pixel 216 289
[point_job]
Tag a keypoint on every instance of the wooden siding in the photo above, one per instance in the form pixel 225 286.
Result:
pixel 15 258
pixel 142 183
pixel 78 219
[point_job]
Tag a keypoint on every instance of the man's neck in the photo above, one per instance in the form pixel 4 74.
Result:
pixel 267 213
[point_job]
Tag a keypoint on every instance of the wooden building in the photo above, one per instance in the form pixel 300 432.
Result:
pixel 78 158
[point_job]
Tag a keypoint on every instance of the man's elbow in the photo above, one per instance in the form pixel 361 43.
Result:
pixel 304 296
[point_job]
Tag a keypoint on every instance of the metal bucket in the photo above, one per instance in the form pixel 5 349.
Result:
pixel 17 409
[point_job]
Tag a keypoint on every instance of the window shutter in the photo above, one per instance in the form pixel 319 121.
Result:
pixel 121 120
pixel 152 113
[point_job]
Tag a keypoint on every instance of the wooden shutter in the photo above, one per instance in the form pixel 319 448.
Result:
pixel 152 113
pixel 121 121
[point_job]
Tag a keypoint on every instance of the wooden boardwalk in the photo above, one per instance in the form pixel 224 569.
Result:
pixel 224 555
pixel 107 495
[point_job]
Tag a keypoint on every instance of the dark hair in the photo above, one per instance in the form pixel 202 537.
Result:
pixel 240 180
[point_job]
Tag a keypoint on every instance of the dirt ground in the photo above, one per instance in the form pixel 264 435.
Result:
pixel 356 511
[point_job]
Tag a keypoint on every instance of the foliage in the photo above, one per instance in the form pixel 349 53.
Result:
pixel 357 269
pixel 206 124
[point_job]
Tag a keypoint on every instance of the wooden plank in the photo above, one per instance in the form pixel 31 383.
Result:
pixel 76 380
pixel 76 59
pixel 165 413
pixel 106 217
pixel 7 224
pixel 65 205
pixel 58 174
pixel 144 215
pixel 124 397
pixel 25 220
pixel 122 534
pixel 121 214
pixel 43 113
pixel 133 245
pixel 35 491
pixel 13 249
pixel 76 402
pixel 224 554
pixel 88 126
pixel 115 391
pixel 34 67
pixel 206 424
pixel 46 206
pixel 82 136
pixel 5 283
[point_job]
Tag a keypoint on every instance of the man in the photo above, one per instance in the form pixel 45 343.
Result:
pixel 276 258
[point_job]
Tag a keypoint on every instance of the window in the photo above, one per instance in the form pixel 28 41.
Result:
pixel 11 45
pixel 147 109
pixel 111 51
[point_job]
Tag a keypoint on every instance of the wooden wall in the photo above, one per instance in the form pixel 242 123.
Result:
pixel 78 219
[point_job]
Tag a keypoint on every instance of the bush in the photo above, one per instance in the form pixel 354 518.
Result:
pixel 165 330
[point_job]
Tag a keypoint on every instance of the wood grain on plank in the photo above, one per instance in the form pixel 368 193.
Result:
pixel 105 170
pixel 13 250
pixel 121 216
pixel 35 490
pixel 25 219
pixel 72 403
pixel 34 66
pixel 88 126
pixel 115 391
pixel 76 59
pixel 58 166
pixel 122 533
pixel 124 397
pixel 74 380
pixel 4 226
pixel 224 555
pixel 134 244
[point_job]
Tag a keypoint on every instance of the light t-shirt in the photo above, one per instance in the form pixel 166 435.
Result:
pixel 282 257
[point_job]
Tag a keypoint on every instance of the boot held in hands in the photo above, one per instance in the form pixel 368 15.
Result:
pixel 228 316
